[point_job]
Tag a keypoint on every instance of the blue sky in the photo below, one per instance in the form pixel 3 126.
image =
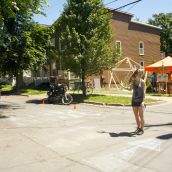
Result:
pixel 142 10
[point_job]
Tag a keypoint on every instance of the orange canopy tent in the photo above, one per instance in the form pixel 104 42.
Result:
pixel 162 66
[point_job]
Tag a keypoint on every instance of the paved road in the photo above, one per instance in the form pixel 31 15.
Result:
pixel 38 137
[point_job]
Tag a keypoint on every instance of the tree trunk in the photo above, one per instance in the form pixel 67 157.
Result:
pixel 83 83
pixel 19 81
pixel 50 68
pixel 83 78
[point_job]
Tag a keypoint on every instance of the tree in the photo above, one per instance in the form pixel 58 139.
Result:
pixel 23 43
pixel 9 9
pixel 164 21
pixel 84 33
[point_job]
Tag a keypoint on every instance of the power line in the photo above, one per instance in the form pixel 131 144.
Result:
pixel 111 2
pixel 127 5
pixel 132 6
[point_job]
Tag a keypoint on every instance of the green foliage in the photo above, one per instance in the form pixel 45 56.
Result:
pixel 165 22
pixel 149 80
pixel 38 45
pixel 24 50
pixel 9 8
pixel 23 43
pixel 84 32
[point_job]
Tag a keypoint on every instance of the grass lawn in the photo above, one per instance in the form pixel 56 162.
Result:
pixel 159 94
pixel 109 99
pixel 110 91
pixel 29 91
pixel 104 91
pixel 6 87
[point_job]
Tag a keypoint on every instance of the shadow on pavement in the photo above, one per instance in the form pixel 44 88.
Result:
pixel 3 116
pixel 4 106
pixel 165 137
pixel 10 106
pixel 120 134
pixel 45 101
pixel 157 125
pixel 38 101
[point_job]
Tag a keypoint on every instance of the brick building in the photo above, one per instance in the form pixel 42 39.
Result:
pixel 138 41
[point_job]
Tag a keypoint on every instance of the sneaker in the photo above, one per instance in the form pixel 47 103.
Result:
pixel 140 131
pixel 136 130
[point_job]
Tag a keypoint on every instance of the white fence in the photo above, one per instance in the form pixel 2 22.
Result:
pixel 27 80
pixel 35 80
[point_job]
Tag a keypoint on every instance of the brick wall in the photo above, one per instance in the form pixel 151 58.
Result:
pixel 130 33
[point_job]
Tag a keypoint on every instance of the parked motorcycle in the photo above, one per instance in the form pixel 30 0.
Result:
pixel 57 93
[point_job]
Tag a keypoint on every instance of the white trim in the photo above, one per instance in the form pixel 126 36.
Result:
pixel 148 25
pixel 141 50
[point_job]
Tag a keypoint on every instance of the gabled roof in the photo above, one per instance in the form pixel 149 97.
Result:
pixel 132 15
pixel 121 12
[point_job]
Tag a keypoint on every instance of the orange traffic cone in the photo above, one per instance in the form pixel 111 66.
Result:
pixel 74 106
pixel 43 102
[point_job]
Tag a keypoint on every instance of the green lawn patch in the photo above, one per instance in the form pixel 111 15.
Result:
pixel 159 94
pixel 6 87
pixel 108 99
pixel 29 91
pixel 33 90
pixel 110 91
pixel 118 100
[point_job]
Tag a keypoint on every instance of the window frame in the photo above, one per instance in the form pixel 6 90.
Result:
pixel 141 50
pixel 142 67
pixel 53 41
pixel 60 46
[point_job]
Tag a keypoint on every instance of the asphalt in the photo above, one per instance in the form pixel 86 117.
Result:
pixel 40 137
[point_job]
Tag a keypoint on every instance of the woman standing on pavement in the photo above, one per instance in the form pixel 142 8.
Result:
pixel 139 89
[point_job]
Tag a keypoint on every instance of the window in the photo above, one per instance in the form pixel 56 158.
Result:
pixel 118 47
pixel 141 48
pixel 142 65
pixel 61 45
pixel 53 65
pixel 53 42
pixel 162 55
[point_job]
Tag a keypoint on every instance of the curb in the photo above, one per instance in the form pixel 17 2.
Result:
pixel 111 104
pixel 105 104
pixel 156 103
